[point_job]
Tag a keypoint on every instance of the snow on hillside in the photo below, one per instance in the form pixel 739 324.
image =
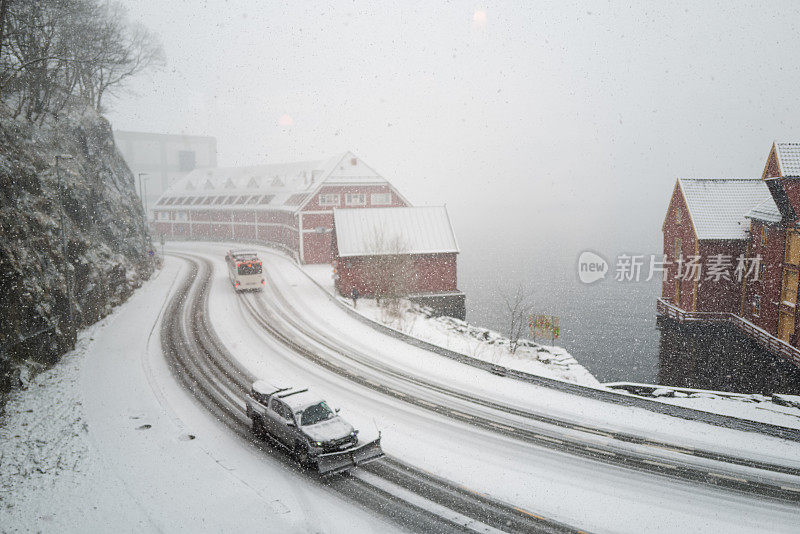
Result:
pixel 74 244
pixel 459 336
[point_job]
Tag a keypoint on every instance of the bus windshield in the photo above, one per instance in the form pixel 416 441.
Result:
pixel 250 268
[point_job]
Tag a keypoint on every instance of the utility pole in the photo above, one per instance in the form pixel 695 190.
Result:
pixel 67 277
pixel 144 213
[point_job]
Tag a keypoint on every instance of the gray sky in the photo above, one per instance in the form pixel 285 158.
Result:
pixel 541 122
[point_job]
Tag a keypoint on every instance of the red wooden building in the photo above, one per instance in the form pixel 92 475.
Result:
pixel 413 249
pixel 753 225
pixel 289 205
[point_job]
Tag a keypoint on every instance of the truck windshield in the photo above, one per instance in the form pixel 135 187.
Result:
pixel 316 413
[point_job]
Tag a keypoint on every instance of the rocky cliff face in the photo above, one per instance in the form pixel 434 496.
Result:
pixel 105 242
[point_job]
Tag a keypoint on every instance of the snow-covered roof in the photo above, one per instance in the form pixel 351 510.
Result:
pixel 383 231
pixel 788 158
pixel 767 211
pixel 244 253
pixel 284 186
pixel 718 206
pixel 300 400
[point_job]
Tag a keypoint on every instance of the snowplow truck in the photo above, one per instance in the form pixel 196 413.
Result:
pixel 302 423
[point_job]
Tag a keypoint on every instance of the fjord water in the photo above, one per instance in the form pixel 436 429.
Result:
pixel 609 326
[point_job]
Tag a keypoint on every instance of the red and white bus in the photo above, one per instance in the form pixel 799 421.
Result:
pixel 244 270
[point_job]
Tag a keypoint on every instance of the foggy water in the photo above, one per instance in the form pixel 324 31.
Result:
pixel 609 326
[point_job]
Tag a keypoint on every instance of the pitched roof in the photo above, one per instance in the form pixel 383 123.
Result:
pixel 384 231
pixel 767 211
pixel 718 206
pixel 285 181
pixel 788 158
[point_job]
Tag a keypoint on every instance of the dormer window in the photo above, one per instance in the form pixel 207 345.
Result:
pixel 355 199
pixel 329 199
pixel 380 199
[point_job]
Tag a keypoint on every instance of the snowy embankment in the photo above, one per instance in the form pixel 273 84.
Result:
pixel 782 410
pixel 456 335
pixel 552 362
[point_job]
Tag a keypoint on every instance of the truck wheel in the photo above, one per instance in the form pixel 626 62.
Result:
pixel 301 454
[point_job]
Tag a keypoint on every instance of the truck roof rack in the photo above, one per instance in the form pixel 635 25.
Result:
pixel 265 388
pixel 293 392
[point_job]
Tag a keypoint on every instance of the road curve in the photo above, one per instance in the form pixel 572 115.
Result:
pixel 202 364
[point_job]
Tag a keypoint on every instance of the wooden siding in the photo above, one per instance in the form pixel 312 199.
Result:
pixel 674 230
pixel 432 273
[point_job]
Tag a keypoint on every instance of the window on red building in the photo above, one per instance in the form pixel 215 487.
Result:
pixel 793 248
pixel 756 305
pixel 763 236
pixel 329 199
pixel 380 199
pixel 789 288
pixel 355 199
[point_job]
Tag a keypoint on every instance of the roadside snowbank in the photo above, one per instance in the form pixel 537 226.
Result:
pixel 779 410
pixel 459 336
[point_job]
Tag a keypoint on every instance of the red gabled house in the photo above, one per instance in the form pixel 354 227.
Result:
pixel 753 223
pixel 409 252
pixel 289 205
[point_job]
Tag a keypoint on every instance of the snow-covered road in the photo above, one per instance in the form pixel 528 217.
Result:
pixel 577 491
pixel 123 445
pixel 107 440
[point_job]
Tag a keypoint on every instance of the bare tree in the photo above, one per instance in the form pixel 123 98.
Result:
pixel 390 270
pixel 64 53
pixel 519 307
pixel 118 52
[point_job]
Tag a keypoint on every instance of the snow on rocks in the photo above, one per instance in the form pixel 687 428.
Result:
pixel 477 342
pixel 776 409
